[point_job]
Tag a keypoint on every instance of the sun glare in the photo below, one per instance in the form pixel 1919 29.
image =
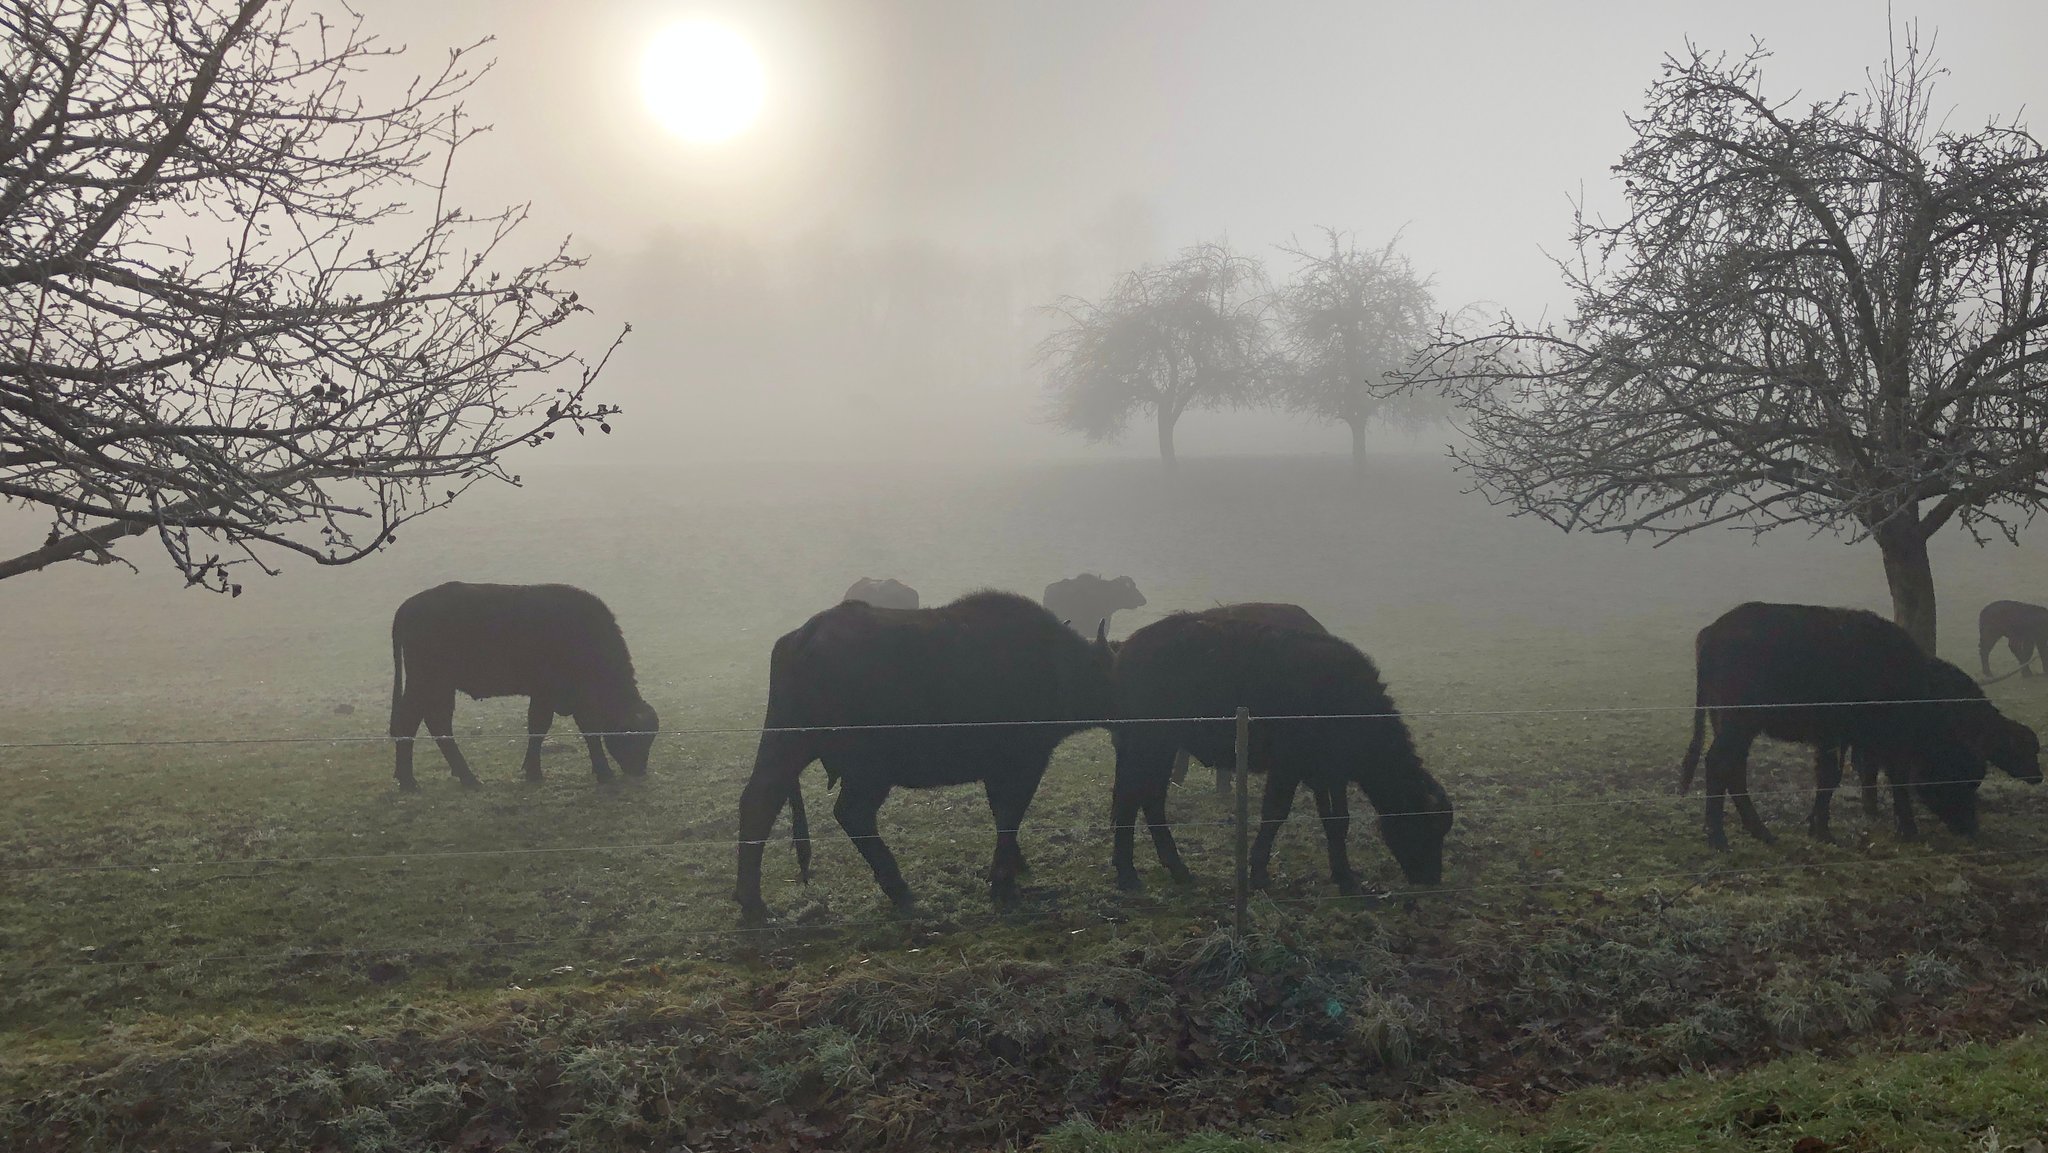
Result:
pixel 702 81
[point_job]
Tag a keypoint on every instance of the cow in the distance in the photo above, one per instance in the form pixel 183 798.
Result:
pixel 1844 680
pixel 1087 601
pixel 1340 729
pixel 556 645
pixel 1279 616
pixel 2023 628
pixel 863 689
pixel 887 593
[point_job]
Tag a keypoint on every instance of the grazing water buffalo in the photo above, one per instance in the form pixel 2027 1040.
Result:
pixel 887 593
pixel 985 659
pixel 555 645
pixel 1279 616
pixel 1827 677
pixel 1087 601
pixel 2023 628
pixel 1342 730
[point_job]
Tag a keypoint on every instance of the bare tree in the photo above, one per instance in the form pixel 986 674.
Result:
pixel 1348 320
pixel 1189 334
pixel 1829 315
pixel 236 307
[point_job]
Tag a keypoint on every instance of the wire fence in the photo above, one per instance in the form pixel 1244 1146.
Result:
pixel 900 726
pixel 1240 824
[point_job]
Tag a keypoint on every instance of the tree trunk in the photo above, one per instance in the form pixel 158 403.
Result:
pixel 1357 448
pixel 1166 421
pixel 1910 576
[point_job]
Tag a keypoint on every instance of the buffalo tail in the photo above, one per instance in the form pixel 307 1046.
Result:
pixel 1699 728
pixel 800 830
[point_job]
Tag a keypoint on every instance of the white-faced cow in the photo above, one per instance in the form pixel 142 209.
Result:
pixel 873 693
pixel 887 593
pixel 1321 717
pixel 555 645
pixel 1086 602
pixel 1844 680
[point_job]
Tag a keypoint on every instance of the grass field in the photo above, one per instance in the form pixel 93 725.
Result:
pixel 264 945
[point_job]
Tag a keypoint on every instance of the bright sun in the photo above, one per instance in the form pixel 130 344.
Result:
pixel 702 81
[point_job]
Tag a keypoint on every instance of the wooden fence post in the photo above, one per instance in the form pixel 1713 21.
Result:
pixel 1244 816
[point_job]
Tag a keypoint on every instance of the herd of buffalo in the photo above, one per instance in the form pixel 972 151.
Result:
pixel 983 689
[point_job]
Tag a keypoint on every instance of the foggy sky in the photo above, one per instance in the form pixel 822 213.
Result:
pixel 1034 148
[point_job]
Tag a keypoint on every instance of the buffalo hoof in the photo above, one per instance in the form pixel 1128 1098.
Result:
pixel 1717 841
pixel 408 785
pixel 1129 881
pixel 1180 875
pixel 533 775
pixel 754 912
pixel 1260 882
pixel 901 900
pixel 1349 887
pixel 469 782
pixel 1822 834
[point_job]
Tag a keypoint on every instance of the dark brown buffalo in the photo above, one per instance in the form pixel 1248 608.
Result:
pixel 1086 602
pixel 887 593
pixel 1844 679
pixel 1327 722
pixel 1279 616
pixel 555 645
pixel 986 659
pixel 2023 628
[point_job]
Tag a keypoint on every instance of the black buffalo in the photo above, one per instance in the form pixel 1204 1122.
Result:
pixel 1088 601
pixel 985 659
pixel 1835 679
pixel 1339 728
pixel 887 593
pixel 555 645
pixel 1279 616
pixel 2023 628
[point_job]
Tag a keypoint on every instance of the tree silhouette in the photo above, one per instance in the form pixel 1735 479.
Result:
pixel 1830 315
pixel 1168 338
pixel 236 308
pixel 1348 320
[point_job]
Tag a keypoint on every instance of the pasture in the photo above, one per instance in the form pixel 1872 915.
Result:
pixel 264 944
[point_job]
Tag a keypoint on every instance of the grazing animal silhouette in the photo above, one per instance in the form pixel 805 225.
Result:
pixel 887 593
pixel 556 645
pixel 2023 628
pixel 1340 728
pixel 1844 679
pixel 1016 679
pixel 1088 601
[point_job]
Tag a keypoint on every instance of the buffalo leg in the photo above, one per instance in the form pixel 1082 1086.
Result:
pixel 540 717
pixel 1827 777
pixel 1273 810
pixel 405 724
pixel 1009 795
pixel 2023 648
pixel 1222 782
pixel 1162 838
pixel 1727 772
pixel 599 767
pixel 1180 765
pixel 440 718
pixel 1334 808
pixel 859 802
pixel 1866 780
pixel 1142 772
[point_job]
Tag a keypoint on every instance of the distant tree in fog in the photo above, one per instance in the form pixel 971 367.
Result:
pixel 1347 320
pixel 1168 338
pixel 1832 314
pixel 236 309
